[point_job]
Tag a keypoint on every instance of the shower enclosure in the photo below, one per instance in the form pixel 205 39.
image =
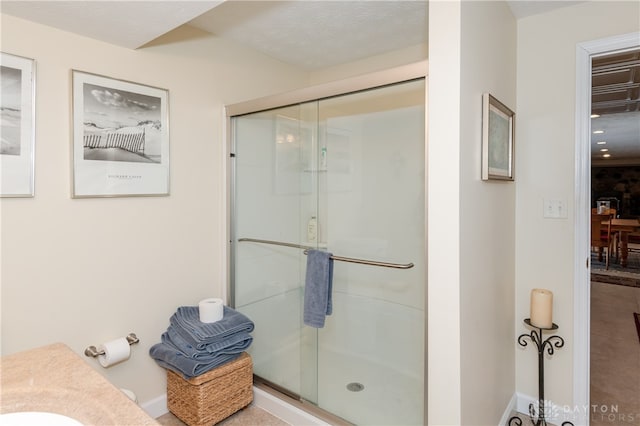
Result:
pixel 346 174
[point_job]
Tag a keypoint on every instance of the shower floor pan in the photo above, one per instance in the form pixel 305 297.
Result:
pixel 353 391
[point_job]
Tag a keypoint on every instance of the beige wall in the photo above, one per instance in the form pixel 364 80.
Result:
pixel 487 219
pixel 497 233
pixel 85 271
pixel 545 168
pixel 471 230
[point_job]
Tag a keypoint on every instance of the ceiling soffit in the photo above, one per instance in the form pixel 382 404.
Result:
pixel 129 24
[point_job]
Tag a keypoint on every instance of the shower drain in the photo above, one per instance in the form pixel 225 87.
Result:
pixel 355 387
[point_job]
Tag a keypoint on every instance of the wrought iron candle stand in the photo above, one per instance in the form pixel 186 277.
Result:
pixel 549 344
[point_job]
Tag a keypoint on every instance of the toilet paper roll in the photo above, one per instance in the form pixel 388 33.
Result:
pixel 211 310
pixel 115 351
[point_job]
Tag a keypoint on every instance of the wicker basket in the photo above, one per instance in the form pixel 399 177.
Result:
pixel 213 396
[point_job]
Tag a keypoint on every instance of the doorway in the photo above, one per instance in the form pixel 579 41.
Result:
pixel 615 290
pixel 586 52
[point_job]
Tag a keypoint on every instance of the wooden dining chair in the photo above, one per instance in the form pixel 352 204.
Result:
pixel 601 235
pixel 634 241
pixel 615 236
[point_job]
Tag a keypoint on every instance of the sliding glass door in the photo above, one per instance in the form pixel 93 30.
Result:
pixel 344 174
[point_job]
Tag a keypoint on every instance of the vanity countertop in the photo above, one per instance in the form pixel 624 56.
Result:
pixel 55 379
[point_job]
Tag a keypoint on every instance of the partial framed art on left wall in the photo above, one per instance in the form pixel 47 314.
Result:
pixel 17 125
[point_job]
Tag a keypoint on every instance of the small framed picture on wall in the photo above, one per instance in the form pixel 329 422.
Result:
pixel 497 139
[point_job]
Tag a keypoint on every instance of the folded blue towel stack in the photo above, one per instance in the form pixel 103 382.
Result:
pixel 191 348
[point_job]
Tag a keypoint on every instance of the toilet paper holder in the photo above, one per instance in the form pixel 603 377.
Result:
pixel 94 352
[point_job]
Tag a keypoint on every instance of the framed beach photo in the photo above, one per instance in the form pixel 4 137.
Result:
pixel 497 139
pixel 17 129
pixel 120 138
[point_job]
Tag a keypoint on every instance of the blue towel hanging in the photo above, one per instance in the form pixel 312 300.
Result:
pixel 318 287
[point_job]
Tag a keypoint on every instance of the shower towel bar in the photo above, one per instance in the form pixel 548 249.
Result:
pixel 334 257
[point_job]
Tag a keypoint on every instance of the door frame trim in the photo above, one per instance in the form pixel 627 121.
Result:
pixel 585 52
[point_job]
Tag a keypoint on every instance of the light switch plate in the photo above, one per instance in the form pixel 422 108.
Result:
pixel 556 209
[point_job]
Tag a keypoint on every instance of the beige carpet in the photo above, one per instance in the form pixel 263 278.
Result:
pixel 616 274
pixel 615 355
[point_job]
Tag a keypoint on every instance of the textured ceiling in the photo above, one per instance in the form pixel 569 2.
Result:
pixel 319 34
pixel 310 34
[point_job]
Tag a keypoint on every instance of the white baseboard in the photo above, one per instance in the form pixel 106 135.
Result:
pixel 156 407
pixel 507 412
pixel 554 413
pixel 286 412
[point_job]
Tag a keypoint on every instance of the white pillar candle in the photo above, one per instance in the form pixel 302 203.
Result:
pixel 541 308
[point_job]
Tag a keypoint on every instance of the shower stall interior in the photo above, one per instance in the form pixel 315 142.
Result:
pixel 346 174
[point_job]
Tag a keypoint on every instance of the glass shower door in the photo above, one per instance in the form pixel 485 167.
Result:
pixel 372 206
pixel 274 190
pixel 353 167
